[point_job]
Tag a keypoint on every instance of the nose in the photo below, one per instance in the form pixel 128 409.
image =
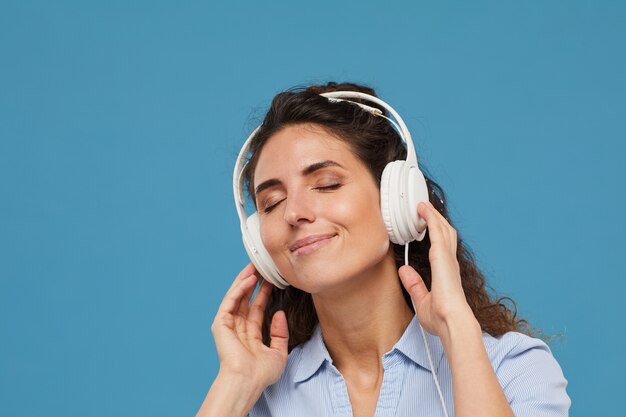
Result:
pixel 298 209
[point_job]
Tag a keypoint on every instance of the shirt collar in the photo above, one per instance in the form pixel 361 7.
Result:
pixel 411 345
pixel 313 355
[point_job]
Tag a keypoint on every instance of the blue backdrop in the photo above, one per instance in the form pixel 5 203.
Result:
pixel 120 122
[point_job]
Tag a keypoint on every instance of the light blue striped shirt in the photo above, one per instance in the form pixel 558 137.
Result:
pixel 312 386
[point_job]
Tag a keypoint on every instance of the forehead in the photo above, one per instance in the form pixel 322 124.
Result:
pixel 296 147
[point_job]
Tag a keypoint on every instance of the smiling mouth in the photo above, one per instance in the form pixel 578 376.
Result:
pixel 313 246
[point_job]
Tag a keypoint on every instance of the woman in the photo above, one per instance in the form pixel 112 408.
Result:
pixel 343 338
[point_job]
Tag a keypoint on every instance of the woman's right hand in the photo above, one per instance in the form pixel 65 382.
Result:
pixel 237 333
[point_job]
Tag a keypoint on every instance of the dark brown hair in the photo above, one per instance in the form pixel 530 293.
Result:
pixel 376 143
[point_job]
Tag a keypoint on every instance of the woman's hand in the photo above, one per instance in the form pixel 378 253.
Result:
pixel 446 300
pixel 237 333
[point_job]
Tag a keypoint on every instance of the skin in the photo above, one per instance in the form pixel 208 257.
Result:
pixel 353 281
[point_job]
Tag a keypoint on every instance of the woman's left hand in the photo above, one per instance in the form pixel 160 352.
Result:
pixel 446 300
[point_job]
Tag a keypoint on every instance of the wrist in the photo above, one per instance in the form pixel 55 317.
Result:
pixel 244 385
pixel 230 394
pixel 460 328
pixel 246 382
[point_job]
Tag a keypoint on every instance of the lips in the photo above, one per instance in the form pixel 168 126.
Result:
pixel 310 243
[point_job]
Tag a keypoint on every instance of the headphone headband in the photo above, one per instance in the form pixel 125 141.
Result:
pixel 405 135
pixel 402 187
pixel 403 131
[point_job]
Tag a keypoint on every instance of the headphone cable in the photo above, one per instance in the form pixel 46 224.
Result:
pixel 430 358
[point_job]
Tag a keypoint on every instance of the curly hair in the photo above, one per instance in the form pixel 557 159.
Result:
pixel 375 142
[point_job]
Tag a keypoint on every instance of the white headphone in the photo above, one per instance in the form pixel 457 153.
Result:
pixel 402 187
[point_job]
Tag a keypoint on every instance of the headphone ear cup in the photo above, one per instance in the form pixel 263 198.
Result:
pixel 389 206
pixel 384 202
pixel 258 254
pixel 402 187
pixel 417 192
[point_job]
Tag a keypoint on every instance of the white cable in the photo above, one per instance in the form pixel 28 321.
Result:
pixel 430 357
pixel 406 257
pixel 378 112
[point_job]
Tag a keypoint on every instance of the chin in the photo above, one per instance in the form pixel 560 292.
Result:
pixel 315 276
pixel 336 264
pixel 314 280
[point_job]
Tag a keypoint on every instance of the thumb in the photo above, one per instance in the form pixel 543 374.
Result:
pixel 414 284
pixel 279 333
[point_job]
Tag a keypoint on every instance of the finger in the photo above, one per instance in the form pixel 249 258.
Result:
pixel 257 308
pixel 241 314
pixel 230 303
pixel 442 254
pixel 279 333
pixel 244 302
pixel 414 284
pixel 246 271
pixel 226 316
pixel 243 275
pixel 437 234
pixel 452 235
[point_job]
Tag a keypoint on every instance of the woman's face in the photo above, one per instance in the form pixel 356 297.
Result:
pixel 319 209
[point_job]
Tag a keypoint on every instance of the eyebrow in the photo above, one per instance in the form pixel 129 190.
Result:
pixel 306 171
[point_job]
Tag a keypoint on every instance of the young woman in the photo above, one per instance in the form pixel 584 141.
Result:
pixel 343 337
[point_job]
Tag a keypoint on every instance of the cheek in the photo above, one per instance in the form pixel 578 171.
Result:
pixel 274 238
pixel 362 215
pixel 269 235
pixel 367 237
pixel 363 207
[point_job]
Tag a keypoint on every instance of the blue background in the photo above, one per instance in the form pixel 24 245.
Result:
pixel 120 122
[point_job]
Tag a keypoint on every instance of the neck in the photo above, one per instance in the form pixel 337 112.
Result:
pixel 364 319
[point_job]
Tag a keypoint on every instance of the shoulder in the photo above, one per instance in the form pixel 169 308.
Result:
pixel 529 374
pixel 517 350
pixel 512 345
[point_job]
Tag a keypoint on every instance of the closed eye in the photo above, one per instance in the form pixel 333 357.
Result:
pixel 271 207
pixel 329 187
